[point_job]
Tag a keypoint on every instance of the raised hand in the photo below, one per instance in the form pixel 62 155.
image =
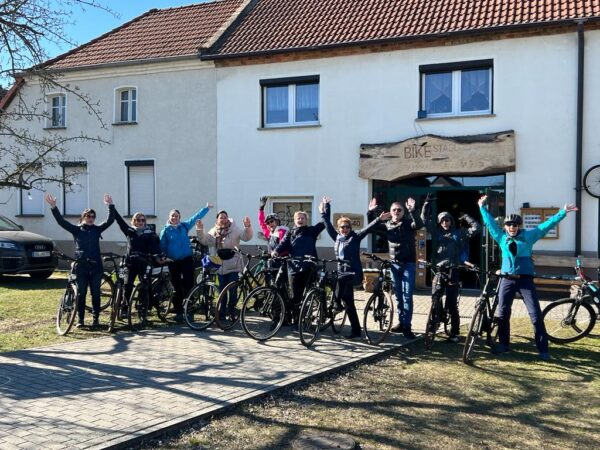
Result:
pixel 429 198
pixel 482 200
pixel 263 202
pixel 386 215
pixel 326 199
pixel 108 199
pixel 247 222
pixel 210 205
pixel 373 204
pixel 51 200
pixel 570 208
pixel 199 225
pixel 410 204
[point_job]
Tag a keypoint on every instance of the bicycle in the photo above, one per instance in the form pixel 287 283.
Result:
pixel 570 319
pixel 107 285
pixel 142 299
pixel 439 311
pixel 240 288
pixel 67 306
pixel 318 310
pixel 379 309
pixel 484 318
pixel 199 305
pixel 122 272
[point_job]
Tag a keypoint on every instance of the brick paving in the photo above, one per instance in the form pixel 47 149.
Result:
pixel 112 391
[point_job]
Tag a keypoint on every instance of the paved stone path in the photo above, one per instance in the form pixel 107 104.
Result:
pixel 108 392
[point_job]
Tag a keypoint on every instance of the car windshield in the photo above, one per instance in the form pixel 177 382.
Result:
pixel 8 225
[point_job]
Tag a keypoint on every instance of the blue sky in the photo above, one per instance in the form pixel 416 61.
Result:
pixel 92 23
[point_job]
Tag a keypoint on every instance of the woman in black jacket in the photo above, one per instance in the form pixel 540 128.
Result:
pixel 347 248
pixel 89 269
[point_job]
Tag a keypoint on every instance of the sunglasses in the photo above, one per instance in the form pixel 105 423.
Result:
pixel 511 225
pixel 396 209
pixel 140 219
pixel 90 216
pixel 271 221
pixel 445 219
pixel 345 226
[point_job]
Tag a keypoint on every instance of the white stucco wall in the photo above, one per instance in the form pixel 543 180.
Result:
pixel 176 129
pixel 373 98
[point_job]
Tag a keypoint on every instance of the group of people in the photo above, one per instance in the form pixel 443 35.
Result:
pixel 399 225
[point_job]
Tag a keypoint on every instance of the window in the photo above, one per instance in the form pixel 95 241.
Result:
pixel 32 200
pixel 126 105
pixel 456 89
pixel 286 207
pixel 75 187
pixel 57 114
pixel 290 101
pixel 140 187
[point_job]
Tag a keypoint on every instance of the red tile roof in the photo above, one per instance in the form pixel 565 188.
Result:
pixel 279 25
pixel 159 33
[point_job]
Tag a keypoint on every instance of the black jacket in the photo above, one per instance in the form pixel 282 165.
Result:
pixel 142 241
pixel 449 247
pixel 400 235
pixel 348 247
pixel 87 239
pixel 300 241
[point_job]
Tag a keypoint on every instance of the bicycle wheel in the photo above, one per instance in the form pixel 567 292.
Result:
pixel 259 275
pixel 263 313
pixel 115 310
pixel 199 306
pixel 67 310
pixel 568 320
pixel 162 297
pixel 224 318
pixel 107 289
pixel 311 317
pixel 474 332
pixel 378 317
pixel 433 322
pixel 138 308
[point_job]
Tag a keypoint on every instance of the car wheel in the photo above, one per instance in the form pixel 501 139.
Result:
pixel 41 275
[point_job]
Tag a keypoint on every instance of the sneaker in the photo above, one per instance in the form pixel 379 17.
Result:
pixel 338 307
pixel 453 338
pixel 409 334
pixel 95 323
pixel 79 324
pixel 398 328
pixel 354 334
pixel 498 349
pixel 179 318
pixel 545 356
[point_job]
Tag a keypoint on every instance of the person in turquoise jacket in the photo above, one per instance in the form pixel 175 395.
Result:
pixel 516 245
pixel 174 242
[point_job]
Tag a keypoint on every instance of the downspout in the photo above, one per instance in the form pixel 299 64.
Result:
pixel 579 147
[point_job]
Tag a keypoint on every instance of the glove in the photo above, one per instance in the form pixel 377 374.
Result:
pixel 263 202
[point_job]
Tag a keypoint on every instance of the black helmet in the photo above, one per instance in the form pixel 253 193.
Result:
pixel 513 219
pixel 444 215
pixel 273 217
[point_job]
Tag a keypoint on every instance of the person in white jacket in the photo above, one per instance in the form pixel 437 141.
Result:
pixel 224 237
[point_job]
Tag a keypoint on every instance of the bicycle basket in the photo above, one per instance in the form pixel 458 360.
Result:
pixel 210 262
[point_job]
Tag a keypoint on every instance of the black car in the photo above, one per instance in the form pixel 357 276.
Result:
pixel 25 252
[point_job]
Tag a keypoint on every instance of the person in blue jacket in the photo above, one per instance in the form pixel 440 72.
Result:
pixel 347 248
pixel 516 245
pixel 89 268
pixel 175 243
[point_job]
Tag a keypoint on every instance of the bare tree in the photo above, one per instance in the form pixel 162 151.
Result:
pixel 30 155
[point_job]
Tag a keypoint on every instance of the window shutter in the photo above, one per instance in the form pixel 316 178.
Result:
pixel 141 189
pixel 76 196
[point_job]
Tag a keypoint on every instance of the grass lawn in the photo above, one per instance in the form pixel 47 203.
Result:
pixel 428 400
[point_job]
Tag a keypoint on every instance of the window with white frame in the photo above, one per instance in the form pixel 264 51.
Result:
pixel 57 111
pixel 140 187
pixel 285 207
pixel 290 101
pixel 457 89
pixel 126 105
pixel 75 187
pixel 32 200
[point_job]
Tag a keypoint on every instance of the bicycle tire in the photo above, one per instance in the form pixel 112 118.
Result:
pixel 107 290
pixel 263 313
pixel 474 332
pixel 115 310
pixel 226 322
pixel 199 306
pixel 329 307
pixel 162 296
pixel 311 317
pixel 67 310
pixel 433 323
pixel 378 318
pixel 138 308
pixel 568 320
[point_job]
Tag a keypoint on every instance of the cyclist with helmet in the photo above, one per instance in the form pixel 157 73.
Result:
pixel 270 226
pixel 89 269
pixel 347 248
pixel 449 244
pixel 516 245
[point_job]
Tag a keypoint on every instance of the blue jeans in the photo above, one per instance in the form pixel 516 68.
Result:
pixel 403 276
pixel 229 305
pixel 93 279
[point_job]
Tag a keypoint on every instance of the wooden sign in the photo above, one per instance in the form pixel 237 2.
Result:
pixel 532 217
pixel 357 220
pixel 436 155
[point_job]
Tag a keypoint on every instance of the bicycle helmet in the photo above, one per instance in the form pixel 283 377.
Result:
pixel 444 215
pixel 273 217
pixel 514 219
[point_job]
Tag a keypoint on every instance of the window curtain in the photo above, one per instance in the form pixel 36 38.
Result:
pixel 438 93
pixel 307 103
pixel 475 90
pixel 277 104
